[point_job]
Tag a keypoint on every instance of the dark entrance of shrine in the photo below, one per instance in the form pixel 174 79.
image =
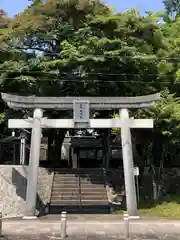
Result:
pixel 89 152
pixel 84 152
pixel 89 158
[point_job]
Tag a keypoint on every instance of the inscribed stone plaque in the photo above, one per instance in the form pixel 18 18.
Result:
pixel 81 111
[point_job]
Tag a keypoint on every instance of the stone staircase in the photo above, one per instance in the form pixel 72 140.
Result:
pixel 78 191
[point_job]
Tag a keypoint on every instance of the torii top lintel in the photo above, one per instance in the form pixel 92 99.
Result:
pixel 63 103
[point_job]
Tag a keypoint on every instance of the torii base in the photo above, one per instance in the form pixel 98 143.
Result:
pixel 134 217
pixel 29 218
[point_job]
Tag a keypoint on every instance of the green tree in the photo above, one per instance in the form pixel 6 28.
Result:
pixel 172 7
pixel 63 48
pixel 40 29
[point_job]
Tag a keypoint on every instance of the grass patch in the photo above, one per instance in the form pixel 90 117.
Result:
pixel 167 208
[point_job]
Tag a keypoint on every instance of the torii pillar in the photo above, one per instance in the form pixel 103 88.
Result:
pixel 33 165
pixel 128 165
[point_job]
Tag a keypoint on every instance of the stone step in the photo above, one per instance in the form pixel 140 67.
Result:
pixel 60 178
pixel 77 184
pixel 90 178
pixel 87 193
pixel 79 175
pixel 65 175
pixel 78 172
pixel 77 196
pixel 83 191
pixel 58 194
pixel 82 185
pixel 71 179
pixel 97 173
pixel 74 193
pixel 90 209
pixel 78 202
pixel 70 198
pixel 65 170
pixel 98 184
pixel 74 184
pixel 76 190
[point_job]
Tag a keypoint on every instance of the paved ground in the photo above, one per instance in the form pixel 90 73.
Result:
pixel 91 227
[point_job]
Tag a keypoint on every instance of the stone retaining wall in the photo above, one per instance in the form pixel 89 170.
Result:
pixel 13 182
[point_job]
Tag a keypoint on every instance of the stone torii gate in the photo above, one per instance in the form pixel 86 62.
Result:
pixel 81 107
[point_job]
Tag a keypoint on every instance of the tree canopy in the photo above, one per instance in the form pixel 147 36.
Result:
pixel 85 48
pixel 172 7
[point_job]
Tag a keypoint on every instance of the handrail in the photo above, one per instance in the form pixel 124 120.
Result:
pixel 105 177
pixel 80 200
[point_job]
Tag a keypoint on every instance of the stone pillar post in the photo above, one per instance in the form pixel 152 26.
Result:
pixel 33 164
pixel 127 153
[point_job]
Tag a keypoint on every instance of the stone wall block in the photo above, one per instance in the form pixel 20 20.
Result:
pixel 13 181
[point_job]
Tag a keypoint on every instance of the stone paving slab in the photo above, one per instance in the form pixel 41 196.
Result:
pixel 90 237
pixel 41 237
pixel 90 227
pixel 90 230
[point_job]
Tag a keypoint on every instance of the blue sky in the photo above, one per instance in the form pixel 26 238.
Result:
pixel 121 5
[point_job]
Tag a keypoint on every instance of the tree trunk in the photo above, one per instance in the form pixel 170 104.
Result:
pixel 156 183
